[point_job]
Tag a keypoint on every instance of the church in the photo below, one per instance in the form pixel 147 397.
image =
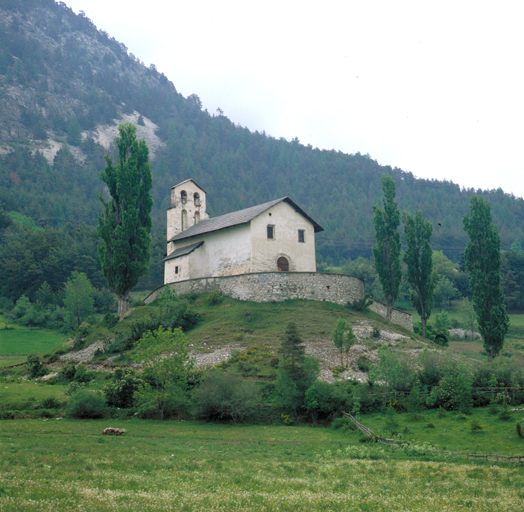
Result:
pixel 277 236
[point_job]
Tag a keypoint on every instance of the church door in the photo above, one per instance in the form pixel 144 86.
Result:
pixel 283 264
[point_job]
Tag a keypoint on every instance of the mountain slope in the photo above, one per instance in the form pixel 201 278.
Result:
pixel 64 86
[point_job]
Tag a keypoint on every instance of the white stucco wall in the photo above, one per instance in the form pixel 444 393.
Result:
pixel 183 264
pixel 286 221
pixel 174 214
pixel 224 253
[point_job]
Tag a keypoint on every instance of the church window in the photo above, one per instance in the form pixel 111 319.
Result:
pixel 176 270
pixel 196 198
pixel 184 220
pixel 283 264
pixel 197 217
pixel 271 232
pixel 183 196
pixel 301 235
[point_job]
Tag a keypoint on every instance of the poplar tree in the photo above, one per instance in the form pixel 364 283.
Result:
pixel 338 337
pixel 419 260
pixel 482 258
pixel 387 249
pixel 125 224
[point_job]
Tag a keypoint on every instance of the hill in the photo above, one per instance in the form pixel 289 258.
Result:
pixel 64 87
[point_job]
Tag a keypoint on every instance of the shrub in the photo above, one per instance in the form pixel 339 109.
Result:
pixel 82 375
pixel 518 427
pixel 35 367
pixel 224 396
pixel 504 414
pixel 475 425
pixel 363 364
pixel 214 298
pixel 441 413
pixel 86 404
pixel 51 403
pixel 343 424
pixel 73 387
pixel 68 372
pixel 375 332
pixel 120 392
pixel 324 399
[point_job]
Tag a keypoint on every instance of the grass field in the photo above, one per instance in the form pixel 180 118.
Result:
pixel 17 343
pixel 67 465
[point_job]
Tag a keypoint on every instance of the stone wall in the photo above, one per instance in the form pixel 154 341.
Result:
pixel 279 286
pixel 397 317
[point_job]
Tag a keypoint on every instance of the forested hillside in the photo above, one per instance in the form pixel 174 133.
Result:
pixel 61 79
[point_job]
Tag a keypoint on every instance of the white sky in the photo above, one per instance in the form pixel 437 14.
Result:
pixel 435 88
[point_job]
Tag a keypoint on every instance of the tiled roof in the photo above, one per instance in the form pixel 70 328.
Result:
pixel 183 251
pixel 185 181
pixel 238 218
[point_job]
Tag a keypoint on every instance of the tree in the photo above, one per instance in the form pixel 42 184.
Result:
pixel 387 249
pixel 444 291
pixel 419 260
pixel 468 316
pixel 79 298
pixel 296 373
pixel 125 225
pixel 293 351
pixel 74 132
pixel 482 257
pixel 349 341
pixel 338 337
pixel 165 356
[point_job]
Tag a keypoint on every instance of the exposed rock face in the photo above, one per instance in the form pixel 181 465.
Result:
pixel 55 65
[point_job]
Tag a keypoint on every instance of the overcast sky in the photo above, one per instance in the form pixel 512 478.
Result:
pixel 435 88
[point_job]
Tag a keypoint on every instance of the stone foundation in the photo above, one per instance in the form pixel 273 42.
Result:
pixel 279 286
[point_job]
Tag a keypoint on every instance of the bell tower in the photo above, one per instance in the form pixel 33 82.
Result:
pixel 188 207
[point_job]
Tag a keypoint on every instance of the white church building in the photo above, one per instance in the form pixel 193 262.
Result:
pixel 270 237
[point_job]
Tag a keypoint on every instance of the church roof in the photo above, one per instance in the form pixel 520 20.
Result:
pixel 183 251
pixel 185 181
pixel 237 218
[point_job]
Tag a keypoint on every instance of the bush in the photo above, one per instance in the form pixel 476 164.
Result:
pixel 342 424
pixel 518 427
pixel 375 332
pixel 224 396
pixel 324 400
pixel 475 425
pixel 67 373
pixel 120 392
pixel 86 404
pixel 35 367
pixel 82 374
pixel 363 364
pixel 51 403
pixel 214 298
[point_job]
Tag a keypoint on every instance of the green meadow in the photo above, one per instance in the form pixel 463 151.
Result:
pixel 68 465
pixel 18 341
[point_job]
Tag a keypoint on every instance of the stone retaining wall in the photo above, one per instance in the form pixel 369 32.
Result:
pixel 279 286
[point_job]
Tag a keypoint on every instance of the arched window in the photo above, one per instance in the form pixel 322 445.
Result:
pixel 197 217
pixel 184 220
pixel 183 196
pixel 196 198
pixel 283 264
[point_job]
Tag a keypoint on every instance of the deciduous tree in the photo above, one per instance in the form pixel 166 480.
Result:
pixel 79 298
pixel 387 249
pixel 482 257
pixel 125 225
pixel 419 260
pixel 165 355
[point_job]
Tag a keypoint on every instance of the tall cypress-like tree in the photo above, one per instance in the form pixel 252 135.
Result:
pixel 387 249
pixel 483 265
pixel 125 225
pixel 419 260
